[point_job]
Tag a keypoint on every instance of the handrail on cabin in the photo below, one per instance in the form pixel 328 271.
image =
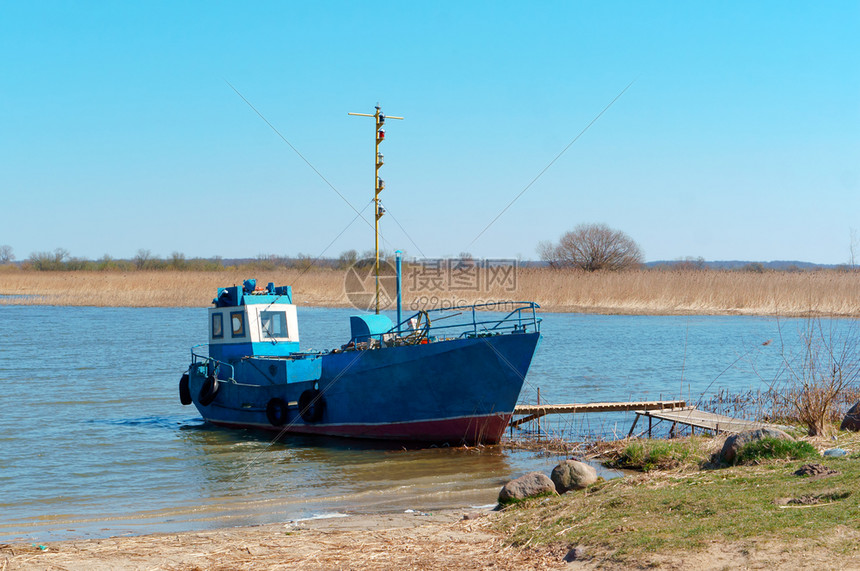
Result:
pixel 206 359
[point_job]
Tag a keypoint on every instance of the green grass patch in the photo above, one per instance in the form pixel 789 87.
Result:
pixel 775 449
pixel 648 455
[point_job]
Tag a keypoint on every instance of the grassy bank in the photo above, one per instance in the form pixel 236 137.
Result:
pixel 702 515
pixel 634 292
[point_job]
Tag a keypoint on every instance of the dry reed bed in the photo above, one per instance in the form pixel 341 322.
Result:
pixel 695 292
pixel 633 292
pixel 158 288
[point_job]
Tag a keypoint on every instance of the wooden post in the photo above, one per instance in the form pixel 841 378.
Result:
pixel 538 418
pixel 635 420
pixel 649 426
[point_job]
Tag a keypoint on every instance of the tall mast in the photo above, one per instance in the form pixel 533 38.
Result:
pixel 378 184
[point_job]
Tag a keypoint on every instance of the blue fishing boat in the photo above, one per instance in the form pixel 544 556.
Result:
pixel 439 376
pixel 454 383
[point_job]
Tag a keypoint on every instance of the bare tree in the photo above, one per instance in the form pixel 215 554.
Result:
pixel 826 365
pixel 593 247
pixel 177 261
pixel 49 261
pixel 347 259
pixel 6 254
pixel 547 252
pixel 143 259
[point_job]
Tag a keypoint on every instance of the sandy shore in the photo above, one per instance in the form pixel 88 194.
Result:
pixel 455 539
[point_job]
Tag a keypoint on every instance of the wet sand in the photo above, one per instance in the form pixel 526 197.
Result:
pixel 453 539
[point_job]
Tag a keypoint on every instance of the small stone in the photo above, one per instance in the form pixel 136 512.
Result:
pixel 573 475
pixel 852 419
pixel 835 452
pixel 575 554
pixel 532 484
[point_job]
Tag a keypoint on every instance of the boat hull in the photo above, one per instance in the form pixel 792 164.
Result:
pixel 460 391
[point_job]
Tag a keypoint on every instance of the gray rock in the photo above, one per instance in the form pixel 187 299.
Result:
pixel 852 419
pixel 573 475
pixel 575 554
pixel 735 442
pixel 532 484
pixel 473 515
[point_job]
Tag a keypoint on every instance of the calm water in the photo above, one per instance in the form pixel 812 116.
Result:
pixel 94 441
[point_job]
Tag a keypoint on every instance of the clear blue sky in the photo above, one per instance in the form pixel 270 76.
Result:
pixel 739 139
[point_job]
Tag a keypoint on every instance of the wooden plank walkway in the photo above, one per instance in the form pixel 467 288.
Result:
pixel 535 411
pixel 695 418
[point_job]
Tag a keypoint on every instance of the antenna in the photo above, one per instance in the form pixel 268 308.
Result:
pixel 378 183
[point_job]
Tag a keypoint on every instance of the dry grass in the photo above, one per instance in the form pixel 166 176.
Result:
pixel 159 288
pixel 695 292
pixel 830 293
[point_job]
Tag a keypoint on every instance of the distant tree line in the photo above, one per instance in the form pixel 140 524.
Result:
pixel 61 260
pixel 590 247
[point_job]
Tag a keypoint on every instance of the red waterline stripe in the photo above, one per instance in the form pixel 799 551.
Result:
pixel 485 429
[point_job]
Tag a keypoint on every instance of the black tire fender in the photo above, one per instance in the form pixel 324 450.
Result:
pixel 311 405
pixel 277 412
pixel 184 391
pixel 208 390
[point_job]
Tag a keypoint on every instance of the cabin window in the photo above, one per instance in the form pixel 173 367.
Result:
pixel 237 322
pixel 273 324
pixel 217 326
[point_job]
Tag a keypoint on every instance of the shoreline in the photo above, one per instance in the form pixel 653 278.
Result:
pixel 5 301
pixel 447 539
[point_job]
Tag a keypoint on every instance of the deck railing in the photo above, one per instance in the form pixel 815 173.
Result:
pixel 520 317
